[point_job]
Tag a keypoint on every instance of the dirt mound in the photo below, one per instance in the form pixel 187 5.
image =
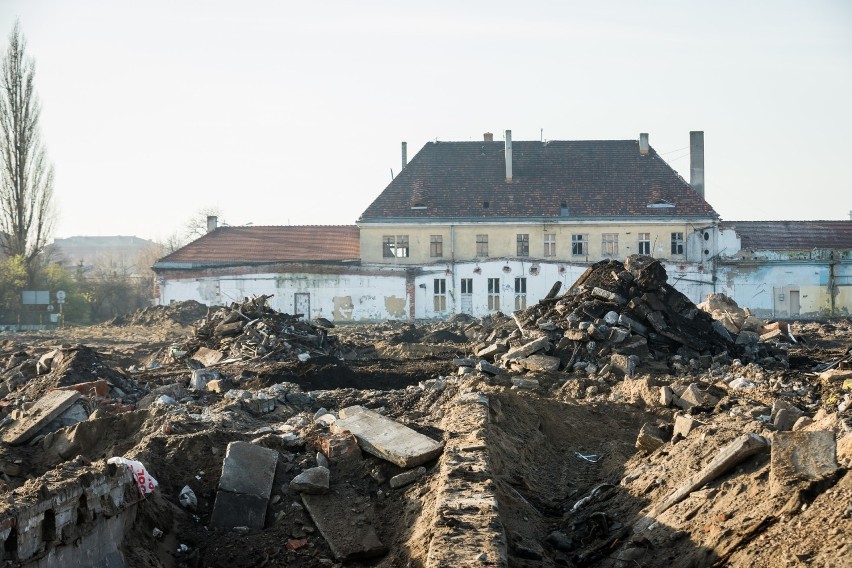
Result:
pixel 182 313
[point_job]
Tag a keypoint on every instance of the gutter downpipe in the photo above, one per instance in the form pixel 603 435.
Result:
pixel 453 264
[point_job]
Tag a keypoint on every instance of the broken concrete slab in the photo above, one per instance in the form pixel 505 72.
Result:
pixel 349 535
pixel 386 438
pixel 46 409
pixel 492 351
pixel 527 349
pixel 245 486
pixel 684 425
pixel 801 457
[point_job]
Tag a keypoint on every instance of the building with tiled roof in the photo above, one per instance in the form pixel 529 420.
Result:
pixel 557 200
pixel 225 246
pixel 791 236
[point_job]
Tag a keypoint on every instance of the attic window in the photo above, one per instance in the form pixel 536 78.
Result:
pixel 485 204
pixel 563 209
pixel 660 204
pixel 418 206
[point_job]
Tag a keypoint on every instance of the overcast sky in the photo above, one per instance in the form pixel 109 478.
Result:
pixel 281 112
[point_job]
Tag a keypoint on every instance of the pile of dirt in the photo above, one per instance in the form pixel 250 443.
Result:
pixel 183 313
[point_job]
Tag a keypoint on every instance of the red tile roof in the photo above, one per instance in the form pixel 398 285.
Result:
pixel 228 245
pixel 593 179
pixel 792 235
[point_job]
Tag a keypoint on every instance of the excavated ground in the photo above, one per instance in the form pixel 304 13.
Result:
pixel 561 458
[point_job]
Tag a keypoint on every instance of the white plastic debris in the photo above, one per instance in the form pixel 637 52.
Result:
pixel 144 480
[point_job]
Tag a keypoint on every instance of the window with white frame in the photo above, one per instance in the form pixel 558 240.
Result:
pixel 550 244
pixel 520 293
pixel 493 294
pixel 579 245
pixel 644 243
pixel 440 294
pixel 677 243
pixel 609 244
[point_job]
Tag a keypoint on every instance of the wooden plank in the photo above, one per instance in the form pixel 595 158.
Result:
pixel 46 409
pixel 386 438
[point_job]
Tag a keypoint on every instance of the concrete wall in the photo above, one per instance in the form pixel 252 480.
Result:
pixel 73 522
pixel 459 241
pixel 378 292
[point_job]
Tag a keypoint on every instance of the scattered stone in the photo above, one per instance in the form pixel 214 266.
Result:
pixel 349 535
pixel 407 477
pixel 47 408
pixel 650 438
pixel 684 425
pixel 522 383
pixel 487 367
pixel 314 480
pixel 543 363
pixel 801 457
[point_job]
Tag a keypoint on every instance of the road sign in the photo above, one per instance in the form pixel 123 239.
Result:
pixel 60 296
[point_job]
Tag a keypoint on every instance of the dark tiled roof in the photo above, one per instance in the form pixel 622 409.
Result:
pixel 792 235
pixel 598 178
pixel 270 244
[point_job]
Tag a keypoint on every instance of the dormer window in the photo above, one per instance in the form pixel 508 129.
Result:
pixel 485 204
pixel 563 209
pixel 660 204
pixel 419 206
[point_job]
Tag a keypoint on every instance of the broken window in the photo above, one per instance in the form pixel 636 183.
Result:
pixel 550 244
pixel 523 245
pixel 493 294
pixel 609 244
pixel 520 293
pixel 481 245
pixel 436 245
pixel 677 243
pixel 395 246
pixel 578 245
pixel 644 243
pixel 467 285
pixel 440 294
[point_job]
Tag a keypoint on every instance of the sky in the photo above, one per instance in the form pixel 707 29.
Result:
pixel 282 112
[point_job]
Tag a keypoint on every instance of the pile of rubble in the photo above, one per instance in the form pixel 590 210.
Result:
pixel 741 323
pixel 183 313
pixel 617 317
pixel 251 330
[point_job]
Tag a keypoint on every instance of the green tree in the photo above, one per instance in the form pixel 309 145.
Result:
pixel 26 174
pixel 13 279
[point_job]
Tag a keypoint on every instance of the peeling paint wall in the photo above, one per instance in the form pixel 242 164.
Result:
pixel 771 289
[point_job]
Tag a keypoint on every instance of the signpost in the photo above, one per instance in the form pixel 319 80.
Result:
pixel 60 299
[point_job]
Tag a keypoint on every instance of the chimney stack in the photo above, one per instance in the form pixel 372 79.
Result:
pixel 488 137
pixel 212 223
pixel 696 161
pixel 643 144
pixel 404 154
pixel 508 156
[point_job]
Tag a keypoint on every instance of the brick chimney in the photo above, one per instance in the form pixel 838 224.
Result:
pixel 404 154
pixel 508 156
pixel 488 137
pixel 644 147
pixel 696 161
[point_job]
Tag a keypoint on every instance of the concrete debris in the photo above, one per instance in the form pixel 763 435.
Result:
pixel 493 440
pixel 244 487
pixel 386 438
pixel 46 409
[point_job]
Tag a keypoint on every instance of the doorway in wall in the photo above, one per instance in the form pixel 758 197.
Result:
pixel 302 304
pixel 795 307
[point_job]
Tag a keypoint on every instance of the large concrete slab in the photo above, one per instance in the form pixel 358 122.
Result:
pixel 46 409
pixel 386 438
pixel 347 533
pixel 244 486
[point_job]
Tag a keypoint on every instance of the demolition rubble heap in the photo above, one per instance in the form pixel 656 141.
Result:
pixel 619 316
pixel 614 425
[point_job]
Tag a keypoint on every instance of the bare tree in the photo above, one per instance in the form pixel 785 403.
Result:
pixel 26 174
